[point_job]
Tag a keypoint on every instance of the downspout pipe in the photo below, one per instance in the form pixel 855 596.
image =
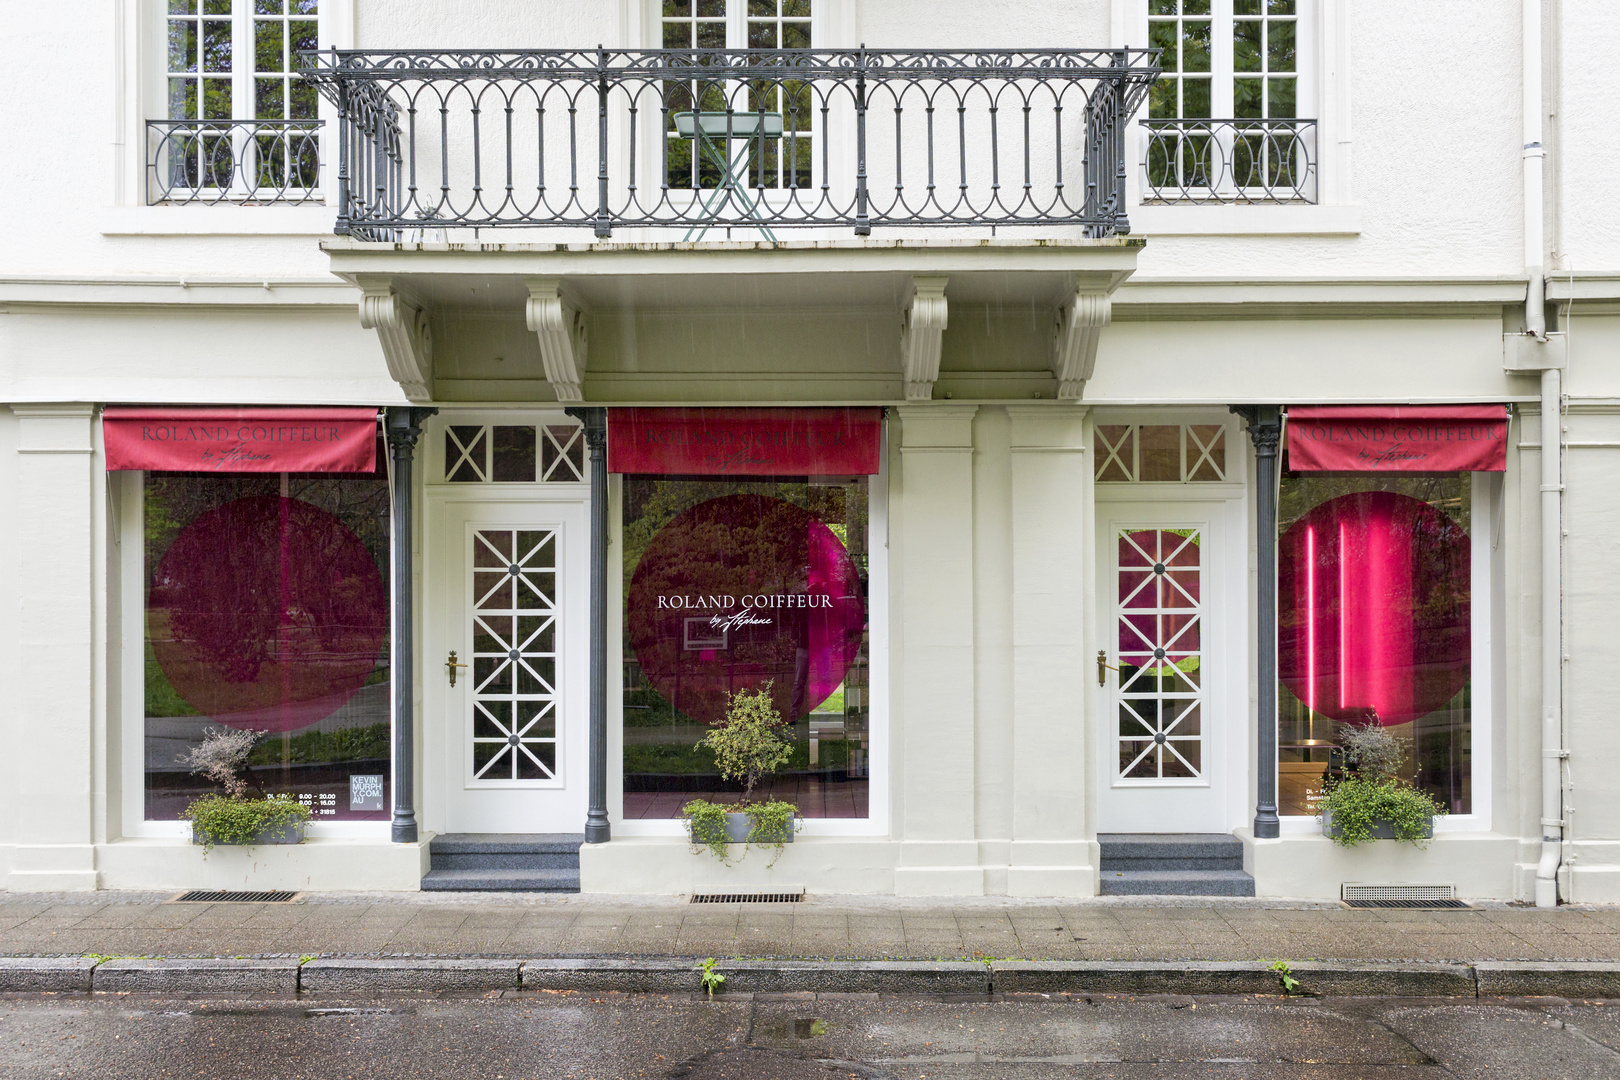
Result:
pixel 1552 484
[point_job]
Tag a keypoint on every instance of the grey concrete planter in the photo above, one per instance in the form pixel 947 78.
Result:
pixel 738 825
pixel 1382 829
pixel 283 834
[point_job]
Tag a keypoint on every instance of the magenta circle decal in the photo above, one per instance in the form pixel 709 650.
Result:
pixel 741 591
pixel 1373 608
pixel 267 613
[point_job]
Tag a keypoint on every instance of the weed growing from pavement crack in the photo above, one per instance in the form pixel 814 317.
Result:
pixel 712 979
pixel 1285 973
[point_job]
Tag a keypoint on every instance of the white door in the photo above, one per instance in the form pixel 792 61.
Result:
pixel 1167 718
pixel 510 591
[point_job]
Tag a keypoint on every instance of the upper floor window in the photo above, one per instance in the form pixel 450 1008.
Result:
pixel 240 125
pixel 1223 120
pixel 738 134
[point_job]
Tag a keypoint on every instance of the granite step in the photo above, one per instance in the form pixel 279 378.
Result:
pixel 539 879
pixel 1170 851
pixel 1176 883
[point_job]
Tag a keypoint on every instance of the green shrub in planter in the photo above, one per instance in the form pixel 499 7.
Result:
pixel 1358 809
pixel 717 826
pixel 216 819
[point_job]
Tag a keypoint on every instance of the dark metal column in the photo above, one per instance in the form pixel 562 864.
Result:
pixel 404 427
pixel 1265 431
pixel 597 828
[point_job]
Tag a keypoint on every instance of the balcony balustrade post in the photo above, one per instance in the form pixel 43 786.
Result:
pixel 604 226
pixel 345 124
pixel 1120 88
pixel 863 223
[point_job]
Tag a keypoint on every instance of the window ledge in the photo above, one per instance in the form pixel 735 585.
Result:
pixel 224 219
pixel 1215 219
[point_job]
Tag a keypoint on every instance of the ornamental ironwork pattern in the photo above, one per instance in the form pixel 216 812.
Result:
pixel 739 138
pixel 515 691
pixel 1161 677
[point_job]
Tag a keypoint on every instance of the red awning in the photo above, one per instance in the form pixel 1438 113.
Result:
pixel 1397 438
pixel 241 440
pixel 745 442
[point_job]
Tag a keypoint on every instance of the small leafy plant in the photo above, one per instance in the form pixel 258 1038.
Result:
pixel 769 825
pixel 1373 791
pixel 748 746
pixel 221 756
pixel 712 979
pixel 706 823
pixel 217 820
pixel 1285 975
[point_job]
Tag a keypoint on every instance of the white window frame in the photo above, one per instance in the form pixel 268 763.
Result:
pixel 879 760
pixel 1324 92
pixel 140 81
pixel 1485 502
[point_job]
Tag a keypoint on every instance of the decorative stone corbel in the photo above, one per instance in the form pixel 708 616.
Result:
pixel 560 326
pixel 407 339
pixel 1080 320
pixel 921 331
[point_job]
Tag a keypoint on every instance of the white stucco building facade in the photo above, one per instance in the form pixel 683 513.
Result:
pixel 1320 216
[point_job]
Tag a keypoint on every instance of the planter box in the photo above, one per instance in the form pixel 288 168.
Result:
pixel 1382 829
pixel 284 834
pixel 737 826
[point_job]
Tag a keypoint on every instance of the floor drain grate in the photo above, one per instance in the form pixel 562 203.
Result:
pixel 226 896
pixel 1420 905
pixel 747 898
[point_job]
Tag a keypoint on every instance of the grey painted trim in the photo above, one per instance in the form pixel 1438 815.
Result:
pixel 1265 431
pixel 597 828
pixel 404 428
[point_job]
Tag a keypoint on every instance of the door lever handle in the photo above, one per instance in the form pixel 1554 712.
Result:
pixel 451 664
pixel 1103 668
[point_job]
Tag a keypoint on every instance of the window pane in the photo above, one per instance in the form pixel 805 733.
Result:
pixel 796 8
pixel 677 35
pixel 1161 7
pixel 711 35
pixel 268 51
pixel 514 455
pixel 711 9
pixel 216 7
pixel 761 7
pixel 1246 44
pixel 699 552
pixel 1195 41
pixel 182 7
pixel 677 8
pixel 303 35
pixel 182 45
pixel 269 7
pixel 267 611
pixel 1280 97
pixel 1280 46
pixel 267 99
pixel 761 35
pixel 1374 579
pixel 1246 101
pixel 1195 7
pixel 1280 7
pixel 1195 99
pixel 795 35
pixel 1245 7
pixel 1162 35
pixel 216 45
pixel 1161 452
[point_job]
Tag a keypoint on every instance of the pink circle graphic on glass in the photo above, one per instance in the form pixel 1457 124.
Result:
pixel 267 613
pixel 741 591
pixel 1373 608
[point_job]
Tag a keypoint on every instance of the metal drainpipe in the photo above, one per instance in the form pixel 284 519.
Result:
pixel 1552 484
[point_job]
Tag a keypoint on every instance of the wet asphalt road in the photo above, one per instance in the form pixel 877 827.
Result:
pixel 570 1036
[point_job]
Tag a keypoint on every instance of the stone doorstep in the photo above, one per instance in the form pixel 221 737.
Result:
pixel 1574 979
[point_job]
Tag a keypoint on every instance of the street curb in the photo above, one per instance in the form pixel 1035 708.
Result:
pixel 1567 979
pixel 362 976
pixel 668 975
pixel 210 976
pixel 37 974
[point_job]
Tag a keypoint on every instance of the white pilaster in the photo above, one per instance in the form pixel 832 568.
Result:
pixel 932 539
pixel 50 710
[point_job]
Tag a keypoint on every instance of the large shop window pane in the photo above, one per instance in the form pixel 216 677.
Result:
pixel 1373 597
pixel 731 584
pixel 267 610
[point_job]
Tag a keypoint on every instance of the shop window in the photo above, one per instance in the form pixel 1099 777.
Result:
pixel 1160 453
pixel 267 610
pixel 737 583
pixel 1373 606
pixel 521 454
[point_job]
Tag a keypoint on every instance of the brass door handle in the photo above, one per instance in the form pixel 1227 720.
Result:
pixel 1103 667
pixel 452 665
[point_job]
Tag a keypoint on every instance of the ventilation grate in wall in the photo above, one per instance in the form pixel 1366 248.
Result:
pixel 747 898
pixel 1361 894
pixel 226 896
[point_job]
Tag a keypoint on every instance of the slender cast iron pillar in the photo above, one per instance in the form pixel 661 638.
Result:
pixel 1265 431
pixel 404 427
pixel 597 828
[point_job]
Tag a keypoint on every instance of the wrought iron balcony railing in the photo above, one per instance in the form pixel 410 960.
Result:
pixel 1229 161
pixel 755 139
pixel 248 161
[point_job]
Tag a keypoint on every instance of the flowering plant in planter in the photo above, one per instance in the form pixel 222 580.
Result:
pixel 747 747
pixel 1372 802
pixel 233 818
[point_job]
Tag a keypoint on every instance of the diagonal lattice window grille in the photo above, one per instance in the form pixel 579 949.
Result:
pixel 1159 574
pixel 515 693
